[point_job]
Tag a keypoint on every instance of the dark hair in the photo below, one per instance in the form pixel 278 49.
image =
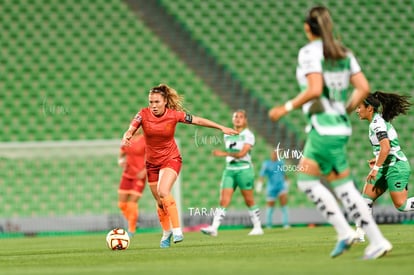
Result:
pixel 320 22
pixel 392 104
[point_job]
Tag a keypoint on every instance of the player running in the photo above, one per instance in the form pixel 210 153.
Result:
pixel 325 71
pixel 390 168
pixel 163 159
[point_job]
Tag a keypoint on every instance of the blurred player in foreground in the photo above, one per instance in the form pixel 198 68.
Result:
pixel 325 71
pixel 390 168
pixel 276 187
pixel 163 159
pixel 132 184
pixel 238 173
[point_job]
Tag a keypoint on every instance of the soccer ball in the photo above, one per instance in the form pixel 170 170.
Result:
pixel 117 239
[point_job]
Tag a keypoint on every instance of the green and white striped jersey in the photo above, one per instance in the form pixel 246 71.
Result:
pixel 331 119
pixel 377 125
pixel 236 142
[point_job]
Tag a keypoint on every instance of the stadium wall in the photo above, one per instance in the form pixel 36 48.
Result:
pixel 191 220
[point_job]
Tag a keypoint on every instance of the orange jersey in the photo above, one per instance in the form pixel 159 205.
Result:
pixel 159 133
pixel 135 157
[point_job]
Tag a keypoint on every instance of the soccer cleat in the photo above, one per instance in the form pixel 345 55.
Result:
pixel 178 238
pixel 130 234
pixel 256 231
pixel 342 245
pixel 360 235
pixel 166 242
pixel 360 239
pixel 373 252
pixel 209 231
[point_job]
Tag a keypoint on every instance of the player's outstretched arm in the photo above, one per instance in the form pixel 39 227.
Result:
pixel 211 124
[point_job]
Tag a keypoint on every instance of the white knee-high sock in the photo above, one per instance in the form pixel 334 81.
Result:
pixel 358 210
pixel 370 204
pixel 218 217
pixel 327 205
pixel 254 213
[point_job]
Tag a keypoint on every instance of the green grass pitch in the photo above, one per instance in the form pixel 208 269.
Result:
pixel 298 250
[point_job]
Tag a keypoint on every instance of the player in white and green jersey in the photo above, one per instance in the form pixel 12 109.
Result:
pixel 390 169
pixel 325 72
pixel 239 173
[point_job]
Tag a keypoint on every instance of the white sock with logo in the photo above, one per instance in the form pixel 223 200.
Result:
pixel 358 210
pixel 218 217
pixel 327 205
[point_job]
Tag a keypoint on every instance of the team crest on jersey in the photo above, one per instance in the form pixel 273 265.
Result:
pixel 138 118
pixel 168 127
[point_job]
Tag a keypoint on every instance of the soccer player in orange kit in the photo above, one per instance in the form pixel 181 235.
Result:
pixel 163 159
pixel 133 179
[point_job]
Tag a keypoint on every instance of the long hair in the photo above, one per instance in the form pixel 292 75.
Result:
pixel 392 104
pixel 174 100
pixel 321 24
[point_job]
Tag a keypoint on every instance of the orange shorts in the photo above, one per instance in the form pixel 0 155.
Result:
pixel 153 171
pixel 131 186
